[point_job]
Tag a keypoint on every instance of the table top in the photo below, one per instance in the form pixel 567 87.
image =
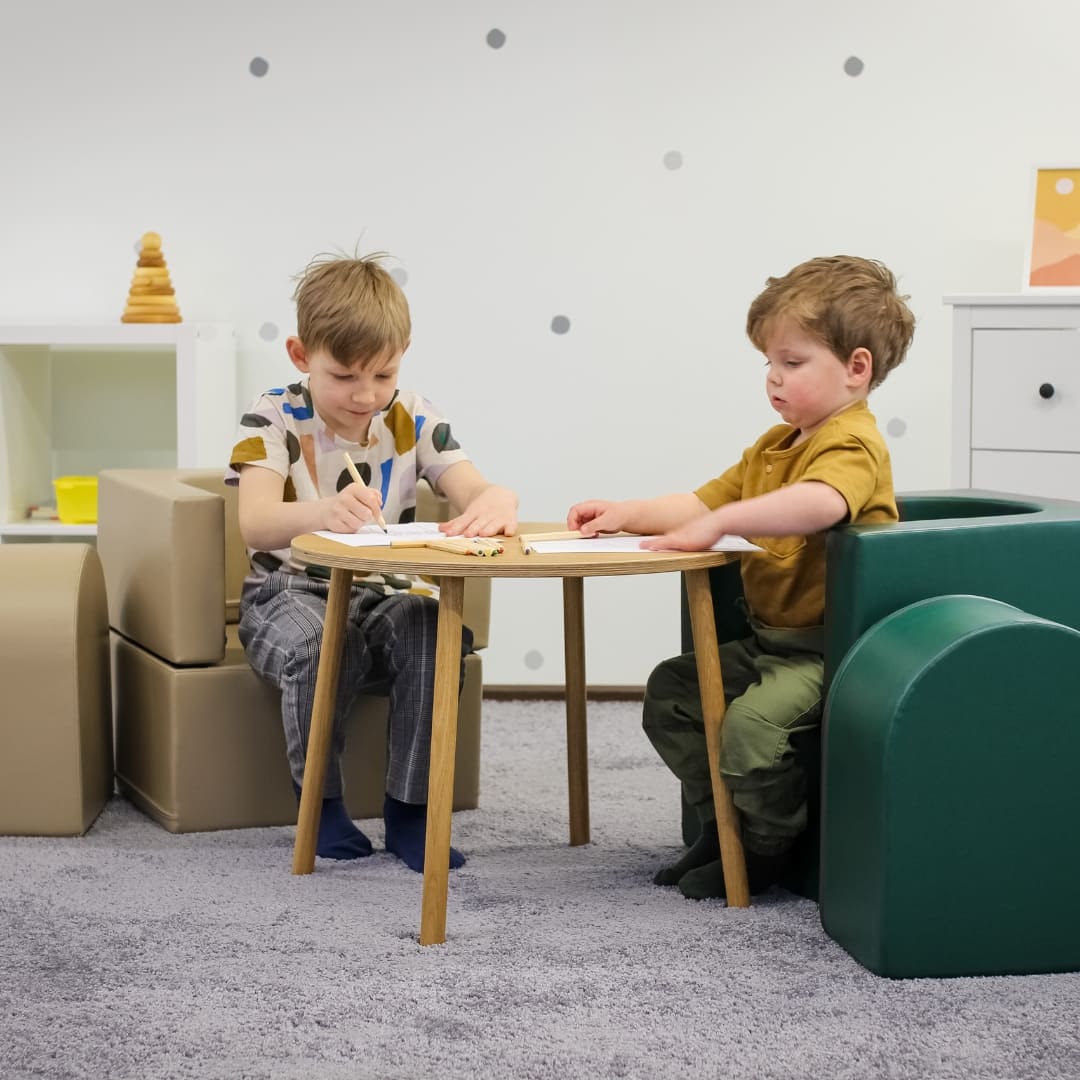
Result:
pixel 319 551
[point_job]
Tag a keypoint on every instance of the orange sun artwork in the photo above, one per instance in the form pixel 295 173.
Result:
pixel 1055 240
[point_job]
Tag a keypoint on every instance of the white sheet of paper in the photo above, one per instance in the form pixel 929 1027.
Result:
pixel 626 543
pixel 373 536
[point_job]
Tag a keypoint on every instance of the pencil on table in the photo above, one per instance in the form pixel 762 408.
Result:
pixel 559 534
pixel 455 545
pixel 354 472
pixel 458 545
pixel 527 539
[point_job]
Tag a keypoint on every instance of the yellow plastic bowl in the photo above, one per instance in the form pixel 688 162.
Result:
pixel 76 499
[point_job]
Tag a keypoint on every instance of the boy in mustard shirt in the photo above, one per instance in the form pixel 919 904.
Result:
pixel 831 330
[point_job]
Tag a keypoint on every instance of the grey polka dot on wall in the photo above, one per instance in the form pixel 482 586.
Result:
pixel 496 39
pixel 560 324
pixel 258 67
pixel 268 331
pixel 400 275
pixel 673 160
pixel 534 659
pixel 853 66
pixel 896 427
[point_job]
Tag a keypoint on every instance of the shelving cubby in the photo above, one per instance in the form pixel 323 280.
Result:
pixel 78 399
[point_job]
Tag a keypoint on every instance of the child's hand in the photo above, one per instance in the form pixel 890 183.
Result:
pixel 351 508
pixel 598 516
pixel 492 513
pixel 697 535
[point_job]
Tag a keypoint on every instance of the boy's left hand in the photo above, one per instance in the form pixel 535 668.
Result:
pixel 492 513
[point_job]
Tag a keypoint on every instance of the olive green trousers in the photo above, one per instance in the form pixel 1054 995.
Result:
pixel 773 686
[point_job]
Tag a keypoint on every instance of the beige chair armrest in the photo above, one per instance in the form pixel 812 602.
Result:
pixel 162 546
pixel 56 756
pixel 173 560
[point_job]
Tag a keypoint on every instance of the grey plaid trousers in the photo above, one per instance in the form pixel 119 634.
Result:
pixel 389 648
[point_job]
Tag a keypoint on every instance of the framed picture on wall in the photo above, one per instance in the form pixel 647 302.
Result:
pixel 1053 249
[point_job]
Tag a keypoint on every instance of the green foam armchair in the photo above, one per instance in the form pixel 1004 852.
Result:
pixel 973 593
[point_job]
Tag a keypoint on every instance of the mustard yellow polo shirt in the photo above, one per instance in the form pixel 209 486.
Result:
pixel 784 585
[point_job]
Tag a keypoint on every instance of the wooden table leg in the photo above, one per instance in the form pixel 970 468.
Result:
pixel 577 737
pixel 713 707
pixel 444 716
pixel 322 721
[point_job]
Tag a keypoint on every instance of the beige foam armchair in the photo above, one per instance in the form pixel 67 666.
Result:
pixel 56 758
pixel 199 743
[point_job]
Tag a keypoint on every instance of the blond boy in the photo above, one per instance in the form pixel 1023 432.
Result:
pixel 353 327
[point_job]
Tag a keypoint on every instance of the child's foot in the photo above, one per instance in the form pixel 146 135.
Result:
pixel 704 850
pixel 704 882
pixel 338 837
pixel 762 872
pixel 406 834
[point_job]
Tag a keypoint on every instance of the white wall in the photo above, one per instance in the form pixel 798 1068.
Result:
pixel 530 181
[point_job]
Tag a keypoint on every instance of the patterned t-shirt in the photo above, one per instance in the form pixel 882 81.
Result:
pixel 407 442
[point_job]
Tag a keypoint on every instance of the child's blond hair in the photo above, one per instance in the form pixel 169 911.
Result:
pixel 352 308
pixel 846 302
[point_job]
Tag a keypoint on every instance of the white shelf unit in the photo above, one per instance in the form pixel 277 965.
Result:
pixel 1016 393
pixel 78 399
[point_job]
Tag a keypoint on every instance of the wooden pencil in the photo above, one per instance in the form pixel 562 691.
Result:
pixel 528 539
pixel 354 472
pixel 565 534
pixel 455 545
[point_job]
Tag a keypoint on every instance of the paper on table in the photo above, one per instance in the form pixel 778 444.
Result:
pixel 604 544
pixel 373 536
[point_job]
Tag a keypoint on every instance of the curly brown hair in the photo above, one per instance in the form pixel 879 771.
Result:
pixel 846 302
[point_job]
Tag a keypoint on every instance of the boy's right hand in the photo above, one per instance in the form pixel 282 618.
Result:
pixel 351 508
pixel 595 516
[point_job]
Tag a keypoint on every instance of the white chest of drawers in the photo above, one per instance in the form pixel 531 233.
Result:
pixel 1016 394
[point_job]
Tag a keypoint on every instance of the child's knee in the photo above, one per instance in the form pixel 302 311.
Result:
pixel 750 742
pixel 672 679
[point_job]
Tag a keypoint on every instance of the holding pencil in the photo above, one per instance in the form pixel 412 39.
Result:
pixel 353 332
pixel 354 472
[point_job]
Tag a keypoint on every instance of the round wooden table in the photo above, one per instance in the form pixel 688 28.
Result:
pixel 450 571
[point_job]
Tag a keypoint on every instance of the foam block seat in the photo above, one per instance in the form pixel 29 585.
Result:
pixel 949 829
pixel 199 743
pixel 56 748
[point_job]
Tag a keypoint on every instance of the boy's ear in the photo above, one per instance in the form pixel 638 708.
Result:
pixel 860 367
pixel 297 353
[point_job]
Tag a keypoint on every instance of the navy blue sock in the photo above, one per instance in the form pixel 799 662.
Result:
pixel 338 837
pixel 406 834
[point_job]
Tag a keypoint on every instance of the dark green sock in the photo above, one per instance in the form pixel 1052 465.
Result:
pixel 707 882
pixel 704 850
pixel 704 882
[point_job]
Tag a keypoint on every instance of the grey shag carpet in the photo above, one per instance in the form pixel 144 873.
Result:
pixel 131 952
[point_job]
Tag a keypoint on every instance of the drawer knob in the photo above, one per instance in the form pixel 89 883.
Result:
pixel 1046 391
